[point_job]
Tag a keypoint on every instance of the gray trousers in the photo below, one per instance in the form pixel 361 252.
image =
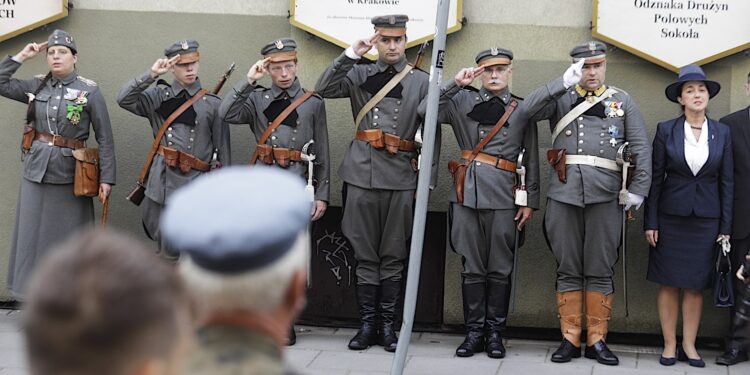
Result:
pixel 151 214
pixel 378 225
pixel 485 240
pixel 585 241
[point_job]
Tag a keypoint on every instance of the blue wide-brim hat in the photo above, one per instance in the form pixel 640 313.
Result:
pixel 689 73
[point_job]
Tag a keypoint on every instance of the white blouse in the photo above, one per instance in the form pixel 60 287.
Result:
pixel 696 151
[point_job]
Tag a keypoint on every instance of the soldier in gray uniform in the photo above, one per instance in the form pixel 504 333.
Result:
pixel 379 169
pixel 198 132
pixel 482 227
pixel 247 270
pixel 583 220
pixel 258 106
pixel 63 109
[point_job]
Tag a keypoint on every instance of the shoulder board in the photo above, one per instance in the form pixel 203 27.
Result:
pixel 261 88
pixel 213 95
pixel 516 96
pixel 86 81
pixel 315 94
pixel 364 60
pixel 471 88
pixel 162 82
pixel 418 69
pixel 40 76
pixel 618 90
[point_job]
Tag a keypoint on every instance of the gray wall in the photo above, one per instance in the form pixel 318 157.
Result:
pixel 117 45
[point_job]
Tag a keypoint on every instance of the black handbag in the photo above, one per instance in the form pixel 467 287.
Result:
pixel 723 289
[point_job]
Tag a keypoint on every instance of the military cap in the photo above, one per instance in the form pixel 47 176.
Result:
pixel 594 52
pixel 689 73
pixel 186 48
pixel 494 56
pixel 391 25
pixel 62 38
pixel 283 49
pixel 237 219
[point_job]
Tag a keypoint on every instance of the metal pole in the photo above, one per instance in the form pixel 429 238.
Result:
pixel 423 183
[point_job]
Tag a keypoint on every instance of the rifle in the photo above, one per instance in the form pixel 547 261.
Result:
pixel 223 79
pixel 420 55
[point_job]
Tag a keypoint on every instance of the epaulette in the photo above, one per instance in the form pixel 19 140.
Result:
pixel 618 90
pixel 471 88
pixel 419 69
pixel 261 88
pixel 87 81
pixel 214 95
pixel 40 76
pixel 314 94
pixel 162 82
pixel 364 60
pixel 516 96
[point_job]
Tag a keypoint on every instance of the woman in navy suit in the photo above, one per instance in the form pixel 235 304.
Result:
pixel 689 208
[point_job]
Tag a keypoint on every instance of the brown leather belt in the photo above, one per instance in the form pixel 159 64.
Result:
pixel 277 155
pixel 178 159
pixel 59 141
pixel 498 163
pixel 390 142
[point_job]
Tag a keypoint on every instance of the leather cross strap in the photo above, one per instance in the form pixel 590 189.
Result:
pixel 160 134
pixel 277 121
pixel 579 110
pixel 381 94
pixel 500 123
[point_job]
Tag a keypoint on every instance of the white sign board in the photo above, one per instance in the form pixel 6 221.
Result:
pixel 342 22
pixel 20 16
pixel 674 33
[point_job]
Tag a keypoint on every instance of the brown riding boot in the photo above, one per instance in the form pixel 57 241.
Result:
pixel 570 312
pixel 598 312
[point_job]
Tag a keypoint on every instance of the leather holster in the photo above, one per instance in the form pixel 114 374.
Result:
pixel 171 157
pixel 392 142
pixel 186 162
pixel 29 133
pixel 458 172
pixel 556 158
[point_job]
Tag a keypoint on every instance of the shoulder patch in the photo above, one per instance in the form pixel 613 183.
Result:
pixel 162 82
pixel 86 81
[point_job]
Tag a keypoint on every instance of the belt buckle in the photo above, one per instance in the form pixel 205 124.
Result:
pixel 52 142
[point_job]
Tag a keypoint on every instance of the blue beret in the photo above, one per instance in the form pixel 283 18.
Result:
pixel 237 219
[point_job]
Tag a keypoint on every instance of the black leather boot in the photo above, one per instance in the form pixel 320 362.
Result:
pixel 474 312
pixel 368 332
pixel 292 339
pixel 739 334
pixel 390 291
pixel 498 298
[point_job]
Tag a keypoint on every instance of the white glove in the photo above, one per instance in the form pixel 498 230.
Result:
pixel 634 200
pixel 573 75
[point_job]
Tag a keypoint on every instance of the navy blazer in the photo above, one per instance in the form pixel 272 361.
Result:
pixel 674 189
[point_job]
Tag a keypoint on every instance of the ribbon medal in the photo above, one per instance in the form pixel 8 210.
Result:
pixel 613 109
pixel 79 101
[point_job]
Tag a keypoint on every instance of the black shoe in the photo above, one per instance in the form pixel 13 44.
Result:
pixel 565 352
pixel 367 334
pixel 473 343
pixel 732 356
pixel 664 361
pixel 292 339
pixel 682 357
pixel 495 347
pixel 365 337
pixel 387 338
pixel 601 353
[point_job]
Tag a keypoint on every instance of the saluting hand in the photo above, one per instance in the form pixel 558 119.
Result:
pixel 362 46
pixel 574 74
pixel 163 65
pixel 31 50
pixel 258 70
pixel 467 75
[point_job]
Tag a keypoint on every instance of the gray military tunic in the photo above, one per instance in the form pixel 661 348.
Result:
pixel 583 218
pixel 200 138
pixel 47 211
pixel 230 350
pixel 380 186
pixel 482 228
pixel 248 105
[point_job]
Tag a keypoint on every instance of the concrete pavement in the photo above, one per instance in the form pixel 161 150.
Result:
pixel 323 351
